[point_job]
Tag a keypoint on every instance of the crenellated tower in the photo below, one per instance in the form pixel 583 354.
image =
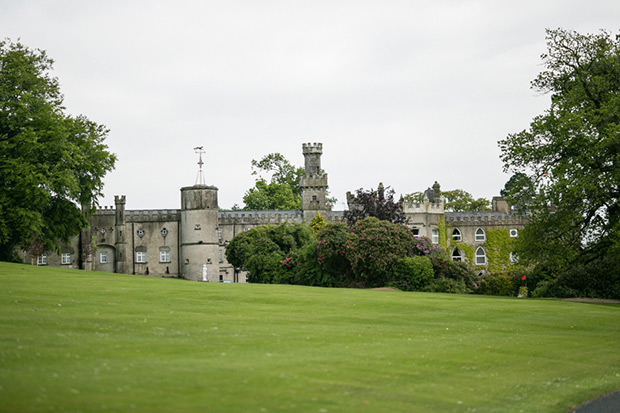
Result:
pixel 119 227
pixel 314 183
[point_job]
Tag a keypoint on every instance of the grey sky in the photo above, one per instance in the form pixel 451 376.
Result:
pixel 400 92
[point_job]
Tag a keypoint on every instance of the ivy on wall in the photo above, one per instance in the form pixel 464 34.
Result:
pixel 497 246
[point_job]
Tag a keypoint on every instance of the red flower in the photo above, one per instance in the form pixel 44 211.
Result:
pixel 523 278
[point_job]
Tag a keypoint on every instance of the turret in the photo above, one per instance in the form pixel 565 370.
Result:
pixel 199 237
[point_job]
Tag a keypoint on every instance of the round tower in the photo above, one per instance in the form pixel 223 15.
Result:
pixel 199 240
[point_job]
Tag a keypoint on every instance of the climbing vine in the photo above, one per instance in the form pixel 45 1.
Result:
pixel 498 246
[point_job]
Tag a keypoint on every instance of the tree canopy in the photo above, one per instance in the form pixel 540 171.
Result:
pixel 571 152
pixel 456 200
pixel 281 191
pixel 51 164
pixel 379 204
pixel 460 200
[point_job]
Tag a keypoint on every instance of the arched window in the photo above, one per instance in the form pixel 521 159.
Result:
pixel 480 235
pixel 456 234
pixel 481 256
pixel 456 255
pixel 513 258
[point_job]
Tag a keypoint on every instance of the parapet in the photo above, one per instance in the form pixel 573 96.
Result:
pixel 310 148
pixel 485 217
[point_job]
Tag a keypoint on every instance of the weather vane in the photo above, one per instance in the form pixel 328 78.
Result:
pixel 200 178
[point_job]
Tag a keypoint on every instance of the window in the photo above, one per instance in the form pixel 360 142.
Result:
pixel 65 258
pixel 514 258
pixel 456 234
pixel 456 255
pixel 480 235
pixel 103 258
pixel 481 256
pixel 140 257
pixel 514 233
pixel 221 255
pixel 416 231
pixel 435 235
pixel 164 256
pixel 42 260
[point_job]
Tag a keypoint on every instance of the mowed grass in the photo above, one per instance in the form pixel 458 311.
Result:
pixel 85 341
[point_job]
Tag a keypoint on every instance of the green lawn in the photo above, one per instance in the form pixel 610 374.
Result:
pixel 73 340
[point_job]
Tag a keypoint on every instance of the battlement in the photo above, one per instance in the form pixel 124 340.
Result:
pixel 314 181
pixel 259 217
pixel 105 210
pixel 155 215
pixel 484 217
pixel 427 206
pixel 119 199
pixel 312 148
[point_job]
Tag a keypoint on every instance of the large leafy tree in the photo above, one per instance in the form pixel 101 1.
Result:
pixel 267 251
pixel 460 200
pixel 277 184
pixel 571 153
pixel 51 164
pixel 378 203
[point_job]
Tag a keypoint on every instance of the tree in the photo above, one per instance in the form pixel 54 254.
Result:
pixel 519 191
pixel 281 171
pixel 456 200
pixel 267 251
pixel 273 195
pixel 460 200
pixel 281 192
pixel 571 153
pixel 379 204
pixel 51 164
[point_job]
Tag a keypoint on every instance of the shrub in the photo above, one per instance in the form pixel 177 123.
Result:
pixel 497 284
pixel 377 246
pixel 412 273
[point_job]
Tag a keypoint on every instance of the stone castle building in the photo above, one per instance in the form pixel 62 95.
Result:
pixel 184 242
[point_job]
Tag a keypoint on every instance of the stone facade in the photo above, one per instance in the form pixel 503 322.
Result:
pixel 182 243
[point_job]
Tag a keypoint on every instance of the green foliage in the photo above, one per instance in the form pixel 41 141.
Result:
pixel 497 284
pixel 265 251
pixel 498 246
pixel 570 153
pixel 593 278
pixel 317 224
pixel 52 163
pixel 281 192
pixel 519 191
pixel 460 200
pixel 412 273
pixel 414 197
pixel 281 170
pixel 451 276
pixel 333 250
pixel 376 246
pixel 270 196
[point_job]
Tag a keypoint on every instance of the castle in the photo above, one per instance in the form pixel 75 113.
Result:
pixel 184 243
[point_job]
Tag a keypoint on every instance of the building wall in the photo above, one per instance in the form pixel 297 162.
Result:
pixel 179 243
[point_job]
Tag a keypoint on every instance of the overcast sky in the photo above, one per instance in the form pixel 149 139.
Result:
pixel 399 92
